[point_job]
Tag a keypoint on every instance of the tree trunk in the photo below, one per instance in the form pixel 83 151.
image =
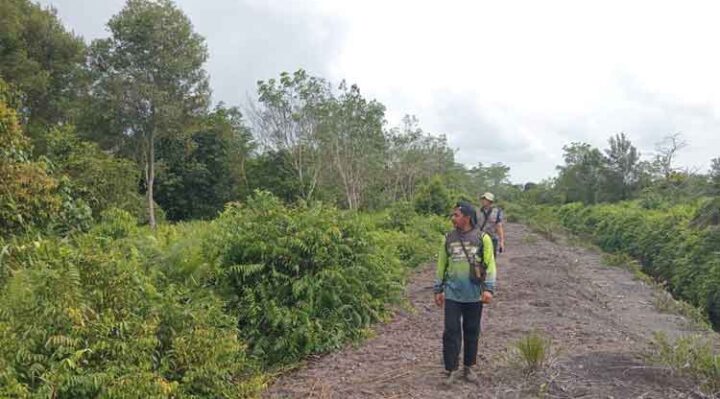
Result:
pixel 341 165
pixel 150 178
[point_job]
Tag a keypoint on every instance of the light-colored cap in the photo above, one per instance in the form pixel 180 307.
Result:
pixel 488 196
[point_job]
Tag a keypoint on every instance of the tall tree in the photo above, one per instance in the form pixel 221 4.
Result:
pixel 667 151
pixel 287 120
pixel 413 157
pixel 271 171
pixel 715 175
pixel 352 134
pixel 41 60
pixel 197 175
pixel 622 160
pixel 494 178
pixel 149 81
pixel 580 179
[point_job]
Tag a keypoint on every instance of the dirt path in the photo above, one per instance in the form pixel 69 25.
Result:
pixel 600 321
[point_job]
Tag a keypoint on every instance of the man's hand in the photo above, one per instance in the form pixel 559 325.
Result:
pixel 440 299
pixel 501 246
pixel 486 297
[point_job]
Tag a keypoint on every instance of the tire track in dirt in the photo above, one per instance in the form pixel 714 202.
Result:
pixel 599 319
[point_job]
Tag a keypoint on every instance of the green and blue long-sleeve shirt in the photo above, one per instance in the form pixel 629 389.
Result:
pixel 453 270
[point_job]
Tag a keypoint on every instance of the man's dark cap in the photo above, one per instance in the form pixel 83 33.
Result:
pixel 467 209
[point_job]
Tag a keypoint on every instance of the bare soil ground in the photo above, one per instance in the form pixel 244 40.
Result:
pixel 599 319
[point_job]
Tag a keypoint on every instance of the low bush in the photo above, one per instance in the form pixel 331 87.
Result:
pixel 671 245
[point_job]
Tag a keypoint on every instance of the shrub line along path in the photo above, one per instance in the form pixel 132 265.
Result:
pixel 599 319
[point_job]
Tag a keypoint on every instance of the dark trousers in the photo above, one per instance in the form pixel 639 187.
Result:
pixel 462 322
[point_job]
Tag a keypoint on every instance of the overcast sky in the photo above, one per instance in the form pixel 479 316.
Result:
pixel 506 81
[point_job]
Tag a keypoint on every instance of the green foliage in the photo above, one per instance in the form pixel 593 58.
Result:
pixel 682 255
pixel 482 178
pixel 399 216
pixel 199 174
pixel 406 247
pixel 591 176
pixel 652 199
pixel 581 178
pixel 74 213
pixel 92 317
pixel 675 188
pixel 433 198
pixel 618 173
pixel 29 197
pixel 148 83
pixel 122 310
pixel 413 157
pixel 330 142
pixel 290 110
pixel 622 159
pixel 691 356
pixel 352 133
pixel 715 176
pixel 533 351
pixel 300 280
pixel 272 172
pixel 33 197
pixel 116 224
pixel 665 302
pixel 412 237
pixel 540 219
pixel 708 213
pixel 543 193
pixel 42 60
pixel 100 180
pixel 107 308
pixel 148 74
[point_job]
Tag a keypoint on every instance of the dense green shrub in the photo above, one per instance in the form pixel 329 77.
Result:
pixel 399 216
pixel 414 238
pixel 300 280
pixel 406 247
pixel 433 198
pixel 32 198
pixel 86 318
pixel 671 245
pixel 100 180
pixel 197 309
pixel 29 197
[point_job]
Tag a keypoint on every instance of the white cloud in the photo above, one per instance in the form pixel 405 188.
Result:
pixel 536 75
pixel 541 74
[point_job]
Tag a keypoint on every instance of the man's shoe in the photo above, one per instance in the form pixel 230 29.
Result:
pixel 470 374
pixel 451 378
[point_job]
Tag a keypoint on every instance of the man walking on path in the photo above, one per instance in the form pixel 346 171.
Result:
pixel 490 219
pixel 462 289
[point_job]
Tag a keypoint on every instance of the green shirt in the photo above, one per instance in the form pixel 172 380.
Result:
pixel 453 270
